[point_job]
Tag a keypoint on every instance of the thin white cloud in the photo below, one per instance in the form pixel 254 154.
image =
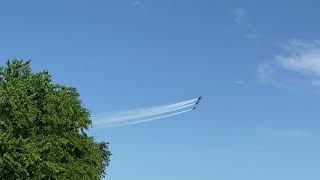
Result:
pixel 241 18
pixel 136 3
pixel 299 62
pixel 252 36
pixel 265 73
pixel 240 15
pixel 301 57
pixel 286 132
pixel 290 133
pixel 239 82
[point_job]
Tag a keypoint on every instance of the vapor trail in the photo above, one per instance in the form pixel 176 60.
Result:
pixel 137 121
pixel 144 110
pixel 155 118
pixel 144 114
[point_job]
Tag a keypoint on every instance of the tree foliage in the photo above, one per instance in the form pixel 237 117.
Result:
pixel 42 129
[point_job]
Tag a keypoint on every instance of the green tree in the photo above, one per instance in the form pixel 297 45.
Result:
pixel 42 129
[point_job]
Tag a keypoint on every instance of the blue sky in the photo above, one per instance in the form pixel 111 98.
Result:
pixel 257 63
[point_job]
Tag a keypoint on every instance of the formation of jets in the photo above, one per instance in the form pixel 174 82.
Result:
pixel 198 101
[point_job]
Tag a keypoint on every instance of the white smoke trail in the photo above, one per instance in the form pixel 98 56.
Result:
pixel 144 113
pixel 144 110
pixel 141 115
pixel 137 121
pixel 155 118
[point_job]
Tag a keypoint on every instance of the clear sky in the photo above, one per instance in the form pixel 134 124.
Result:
pixel 257 64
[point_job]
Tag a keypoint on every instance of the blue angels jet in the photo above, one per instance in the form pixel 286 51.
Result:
pixel 198 101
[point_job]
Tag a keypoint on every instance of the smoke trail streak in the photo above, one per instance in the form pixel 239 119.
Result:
pixel 144 110
pixel 151 119
pixel 144 113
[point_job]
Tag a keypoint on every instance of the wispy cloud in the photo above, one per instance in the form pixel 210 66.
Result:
pixel 136 3
pixel 239 82
pixel 286 132
pixel 290 133
pixel 265 72
pixel 252 36
pixel 240 15
pixel 301 57
pixel 299 61
pixel 241 18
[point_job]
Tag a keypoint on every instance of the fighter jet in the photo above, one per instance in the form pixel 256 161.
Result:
pixel 199 98
pixel 198 101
